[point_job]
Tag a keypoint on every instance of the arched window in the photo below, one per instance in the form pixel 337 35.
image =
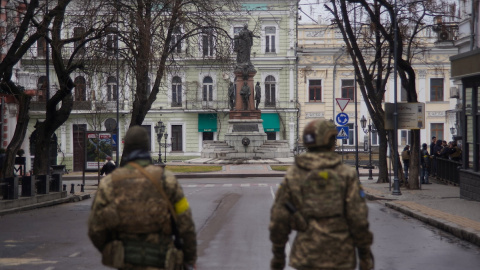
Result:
pixel 41 88
pixel 111 88
pixel 80 89
pixel 207 92
pixel 176 92
pixel 270 91
pixel 176 43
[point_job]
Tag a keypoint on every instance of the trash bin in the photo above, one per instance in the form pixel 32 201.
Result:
pixel 43 185
pixel 56 183
pixel 28 186
pixel 10 188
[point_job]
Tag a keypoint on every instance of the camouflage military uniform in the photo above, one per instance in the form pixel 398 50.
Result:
pixel 330 218
pixel 128 207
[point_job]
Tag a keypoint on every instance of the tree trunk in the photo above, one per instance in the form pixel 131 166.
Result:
pixel 19 135
pixel 382 161
pixel 414 171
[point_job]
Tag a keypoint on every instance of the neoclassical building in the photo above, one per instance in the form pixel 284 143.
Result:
pixel 325 73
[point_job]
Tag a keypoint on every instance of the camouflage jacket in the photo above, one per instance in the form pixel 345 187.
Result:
pixel 127 206
pixel 329 198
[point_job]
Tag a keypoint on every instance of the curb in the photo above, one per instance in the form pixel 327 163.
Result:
pixel 73 198
pixel 460 232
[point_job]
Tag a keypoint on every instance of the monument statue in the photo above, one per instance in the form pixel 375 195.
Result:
pixel 231 95
pixel 258 95
pixel 243 47
pixel 245 93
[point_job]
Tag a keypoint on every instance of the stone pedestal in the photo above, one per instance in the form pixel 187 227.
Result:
pixel 245 136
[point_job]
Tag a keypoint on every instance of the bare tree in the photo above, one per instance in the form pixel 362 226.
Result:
pixel 371 45
pixel 18 40
pixel 155 34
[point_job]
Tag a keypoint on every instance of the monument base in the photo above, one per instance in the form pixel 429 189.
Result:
pixel 244 115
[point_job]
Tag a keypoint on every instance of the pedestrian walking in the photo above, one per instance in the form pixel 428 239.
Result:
pixel 424 164
pixel 321 198
pixel 406 160
pixel 140 216
pixel 108 167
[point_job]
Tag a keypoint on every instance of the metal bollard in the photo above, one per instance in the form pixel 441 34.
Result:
pixel 82 188
pixel 64 187
pixel 72 190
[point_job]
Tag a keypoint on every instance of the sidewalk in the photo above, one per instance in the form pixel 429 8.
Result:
pixel 437 204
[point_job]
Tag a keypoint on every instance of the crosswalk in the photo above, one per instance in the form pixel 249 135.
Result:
pixel 243 185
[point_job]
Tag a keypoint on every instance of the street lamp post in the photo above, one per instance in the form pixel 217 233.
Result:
pixel 160 129
pixel 165 156
pixel 368 131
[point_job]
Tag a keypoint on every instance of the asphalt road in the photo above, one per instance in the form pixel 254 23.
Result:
pixel 232 218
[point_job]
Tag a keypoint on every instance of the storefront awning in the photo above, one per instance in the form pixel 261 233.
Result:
pixel 271 122
pixel 207 122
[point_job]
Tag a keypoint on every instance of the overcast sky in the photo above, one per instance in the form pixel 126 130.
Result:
pixel 311 10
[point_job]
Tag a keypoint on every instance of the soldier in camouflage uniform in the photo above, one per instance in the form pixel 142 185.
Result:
pixel 128 209
pixel 322 200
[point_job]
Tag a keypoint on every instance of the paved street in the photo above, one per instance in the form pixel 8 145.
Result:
pixel 232 218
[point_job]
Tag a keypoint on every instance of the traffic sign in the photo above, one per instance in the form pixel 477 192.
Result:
pixel 342 132
pixel 342 103
pixel 342 119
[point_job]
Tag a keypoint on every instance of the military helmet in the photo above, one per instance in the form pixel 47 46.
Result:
pixel 318 133
pixel 137 138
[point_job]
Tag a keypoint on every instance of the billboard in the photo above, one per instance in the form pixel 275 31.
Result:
pixel 97 147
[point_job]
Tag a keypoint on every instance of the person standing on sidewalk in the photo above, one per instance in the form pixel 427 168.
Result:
pixel 136 211
pixel 424 164
pixel 406 160
pixel 321 198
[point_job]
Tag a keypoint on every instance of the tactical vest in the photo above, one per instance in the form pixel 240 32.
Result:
pixel 140 207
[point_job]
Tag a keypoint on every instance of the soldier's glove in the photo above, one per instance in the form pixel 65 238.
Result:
pixel 278 261
pixel 366 258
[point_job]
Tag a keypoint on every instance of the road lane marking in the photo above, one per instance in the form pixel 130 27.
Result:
pixel 74 254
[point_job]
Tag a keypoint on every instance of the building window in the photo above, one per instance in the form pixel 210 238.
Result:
pixel 79 35
pixel 42 88
pixel 269 91
pixel 112 41
pixel 437 131
pixel 207 42
pixel 236 30
pixel 270 39
pixel 111 88
pixel 207 93
pixel 436 89
pixel 405 136
pixel 351 137
pixel 348 89
pixel 314 90
pixel 176 92
pixel 80 89
pixel 41 47
pixel 177 138
pixel 176 43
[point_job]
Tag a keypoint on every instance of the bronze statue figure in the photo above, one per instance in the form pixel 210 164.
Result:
pixel 245 93
pixel 231 95
pixel 258 95
pixel 243 46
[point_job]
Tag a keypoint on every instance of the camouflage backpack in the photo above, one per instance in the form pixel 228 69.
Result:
pixel 323 194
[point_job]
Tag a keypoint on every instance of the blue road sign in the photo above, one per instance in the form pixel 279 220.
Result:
pixel 342 119
pixel 342 132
